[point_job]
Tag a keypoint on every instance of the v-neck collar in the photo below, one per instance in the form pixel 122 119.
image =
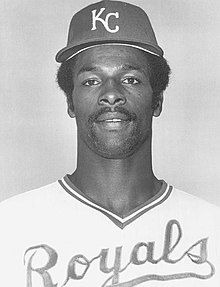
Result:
pixel 121 222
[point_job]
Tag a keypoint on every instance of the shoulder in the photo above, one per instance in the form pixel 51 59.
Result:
pixel 31 199
pixel 191 203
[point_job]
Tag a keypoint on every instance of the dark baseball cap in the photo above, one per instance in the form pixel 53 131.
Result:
pixel 109 23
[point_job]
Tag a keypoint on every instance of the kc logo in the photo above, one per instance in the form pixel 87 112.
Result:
pixel 105 22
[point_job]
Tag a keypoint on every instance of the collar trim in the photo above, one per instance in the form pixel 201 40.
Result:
pixel 156 200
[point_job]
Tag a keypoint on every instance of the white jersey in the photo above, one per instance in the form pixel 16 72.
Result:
pixel 55 236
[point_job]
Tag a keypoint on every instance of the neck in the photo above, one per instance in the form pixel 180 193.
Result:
pixel 119 185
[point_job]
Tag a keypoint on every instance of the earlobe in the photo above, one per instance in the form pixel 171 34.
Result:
pixel 70 108
pixel 158 108
pixel 71 113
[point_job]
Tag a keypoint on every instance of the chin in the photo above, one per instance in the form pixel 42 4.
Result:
pixel 115 153
pixel 117 144
pixel 117 148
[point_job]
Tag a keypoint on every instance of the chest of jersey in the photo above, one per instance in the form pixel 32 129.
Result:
pixel 62 241
pixel 93 251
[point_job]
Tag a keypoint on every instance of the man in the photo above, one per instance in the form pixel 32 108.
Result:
pixel 111 222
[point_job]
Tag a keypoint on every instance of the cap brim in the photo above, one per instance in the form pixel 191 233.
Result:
pixel 69 52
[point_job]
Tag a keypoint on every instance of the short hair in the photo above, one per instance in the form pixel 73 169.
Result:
pixel 159 73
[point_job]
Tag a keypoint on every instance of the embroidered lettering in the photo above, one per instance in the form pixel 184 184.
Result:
pixel 105 22
pixel 168 246
pixel 197 254
pixel 71 271
pixel 149 253
pixel 202 257
pixel 117 264
pixel 42 271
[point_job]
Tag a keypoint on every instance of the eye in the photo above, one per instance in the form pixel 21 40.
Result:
pixel 91 82
pixel 131 81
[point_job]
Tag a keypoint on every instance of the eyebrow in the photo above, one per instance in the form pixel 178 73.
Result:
pixel 87 69
pixel 124 67
pixel 127 67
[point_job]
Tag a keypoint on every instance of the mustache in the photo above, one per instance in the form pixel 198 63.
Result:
pixel 94 116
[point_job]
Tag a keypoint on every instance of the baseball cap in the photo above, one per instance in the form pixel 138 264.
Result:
pixel 109 22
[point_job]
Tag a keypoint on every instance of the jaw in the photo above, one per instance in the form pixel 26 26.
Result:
pixel 116 141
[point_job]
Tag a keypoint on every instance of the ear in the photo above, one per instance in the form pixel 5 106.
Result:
pixel 158 107
pixel 70 108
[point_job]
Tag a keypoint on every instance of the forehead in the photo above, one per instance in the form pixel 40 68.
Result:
pixel 114 56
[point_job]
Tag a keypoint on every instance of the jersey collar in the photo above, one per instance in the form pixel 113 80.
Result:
pixel 121 222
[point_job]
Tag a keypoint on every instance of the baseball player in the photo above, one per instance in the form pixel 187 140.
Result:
pixel 111 222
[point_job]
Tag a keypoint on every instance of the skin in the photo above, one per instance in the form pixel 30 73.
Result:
pixel 114 164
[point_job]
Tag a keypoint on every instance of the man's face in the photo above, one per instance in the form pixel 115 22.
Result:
pixel 112 100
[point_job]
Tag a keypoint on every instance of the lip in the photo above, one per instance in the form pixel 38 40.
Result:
pixel 112 118
pixel 113 121
pixel 113 126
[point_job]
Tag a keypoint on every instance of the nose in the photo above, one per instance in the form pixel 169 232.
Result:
pixel 111 94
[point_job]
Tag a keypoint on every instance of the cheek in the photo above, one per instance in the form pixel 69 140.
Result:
pixel 143 103
pixel 83 105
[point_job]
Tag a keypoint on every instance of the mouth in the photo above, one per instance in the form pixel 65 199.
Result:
pixel 113 117
pixel 113 121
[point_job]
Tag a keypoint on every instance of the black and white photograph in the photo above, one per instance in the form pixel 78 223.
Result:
pixel 109 143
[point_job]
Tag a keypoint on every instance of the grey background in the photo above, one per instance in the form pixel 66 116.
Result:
pixel 38 139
